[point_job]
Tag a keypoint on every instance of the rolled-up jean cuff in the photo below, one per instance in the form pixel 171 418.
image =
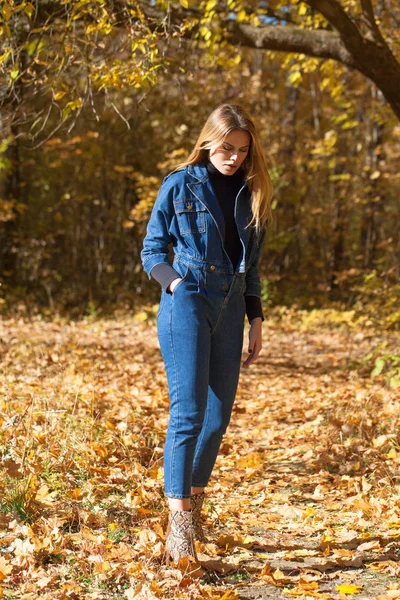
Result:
pixel 178 497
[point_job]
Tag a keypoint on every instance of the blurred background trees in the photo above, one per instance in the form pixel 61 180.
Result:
pixel 100 99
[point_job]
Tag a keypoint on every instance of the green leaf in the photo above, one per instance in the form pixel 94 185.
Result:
pixel 379 364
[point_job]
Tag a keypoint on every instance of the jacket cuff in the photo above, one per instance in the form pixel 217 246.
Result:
pixel 253 308
pixel 164 274
pixel 152 260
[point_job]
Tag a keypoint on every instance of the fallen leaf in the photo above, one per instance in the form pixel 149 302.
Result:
pixel 5 568
pixel 345 589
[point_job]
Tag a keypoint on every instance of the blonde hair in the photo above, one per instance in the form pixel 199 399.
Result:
pixel 224 119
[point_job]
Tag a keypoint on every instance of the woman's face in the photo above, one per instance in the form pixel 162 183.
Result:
pixel 228 156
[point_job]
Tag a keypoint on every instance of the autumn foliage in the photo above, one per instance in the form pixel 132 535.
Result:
pixel 100 100
pixel 304 500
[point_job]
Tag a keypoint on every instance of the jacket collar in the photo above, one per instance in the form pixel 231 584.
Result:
pixel 202 188
pixel 198 171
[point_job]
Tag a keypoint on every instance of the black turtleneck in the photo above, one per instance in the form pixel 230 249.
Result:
pixel 226 188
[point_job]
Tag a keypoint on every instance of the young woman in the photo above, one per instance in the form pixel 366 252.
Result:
pixel 213 209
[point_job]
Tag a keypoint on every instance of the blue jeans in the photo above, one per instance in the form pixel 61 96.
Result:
pixel 200 331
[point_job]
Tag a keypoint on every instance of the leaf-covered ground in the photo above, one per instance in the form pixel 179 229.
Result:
pixel 305 497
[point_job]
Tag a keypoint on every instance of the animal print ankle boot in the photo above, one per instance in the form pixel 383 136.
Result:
pixel 180 536
pixel 196 504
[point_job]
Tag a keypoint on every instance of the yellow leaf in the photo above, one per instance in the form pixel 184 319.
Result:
pixel 7 12
pixel 59 95
pixel 252 460
pixel 4 56
pixel 102 567
pixel 188 566
pixel 44 496
pixel 211 4
pixel 91 28
pixel 308 586
pixel 5 568
pixel 29 9
pixel 395 524
pixel 77 493
pixel 141 316
pixel 295 78
pixel 230 595
pixel 277 577
pixel 348 589
pixel 89 535
pixel 302 8
pixel 184 3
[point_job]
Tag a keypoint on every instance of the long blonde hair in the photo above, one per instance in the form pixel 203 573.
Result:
pixel 224 119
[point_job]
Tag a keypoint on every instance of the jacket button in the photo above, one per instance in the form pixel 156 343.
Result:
pixel 212 268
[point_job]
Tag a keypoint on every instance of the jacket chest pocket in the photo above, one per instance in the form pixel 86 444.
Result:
pixel 191 216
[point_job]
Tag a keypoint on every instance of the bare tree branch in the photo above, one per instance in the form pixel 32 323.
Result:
pixel 371 56
pixel 318 43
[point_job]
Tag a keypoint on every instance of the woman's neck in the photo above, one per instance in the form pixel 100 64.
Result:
pixel 214 172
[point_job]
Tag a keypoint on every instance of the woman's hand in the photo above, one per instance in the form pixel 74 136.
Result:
pixel 255 341
pixel 174 283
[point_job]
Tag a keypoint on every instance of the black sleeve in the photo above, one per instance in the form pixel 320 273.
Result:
pixel 253 308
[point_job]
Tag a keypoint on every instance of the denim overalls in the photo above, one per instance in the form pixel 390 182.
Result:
pixel 200 325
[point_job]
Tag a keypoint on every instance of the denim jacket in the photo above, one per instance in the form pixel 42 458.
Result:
pixel 187 214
